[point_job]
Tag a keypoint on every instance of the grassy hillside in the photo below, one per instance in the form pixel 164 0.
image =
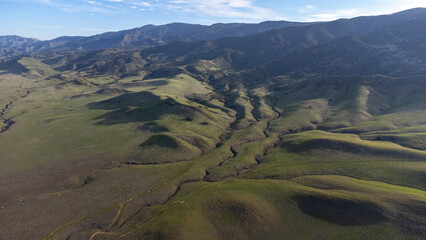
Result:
pixel 176 162
pixel 193 140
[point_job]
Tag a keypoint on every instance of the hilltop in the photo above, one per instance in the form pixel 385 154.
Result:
pixel 143 37
pixel 276 130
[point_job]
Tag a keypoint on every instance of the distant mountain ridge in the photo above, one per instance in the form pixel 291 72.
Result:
pixel 302 132
pixel 143 37
pixel 11 41
pixel 337 47
pixel 11 44
pixel 276 43
pixel 343 46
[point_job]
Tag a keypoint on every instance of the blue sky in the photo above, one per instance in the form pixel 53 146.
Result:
pixel 47 19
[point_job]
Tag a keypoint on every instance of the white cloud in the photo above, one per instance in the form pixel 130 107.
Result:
pixel 241 9
pixel 94 2
pixel 142 3
pixel 399 5
pixel 240 4
pixel 392 6
pixel 234 10
pixel 307 9
pixel 378 7
pixel 330 16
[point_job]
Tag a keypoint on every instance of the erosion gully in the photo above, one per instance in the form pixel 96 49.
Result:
pixel 121 205
pixel 8 121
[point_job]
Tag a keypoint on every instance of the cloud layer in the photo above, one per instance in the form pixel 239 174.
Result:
pixel 241 10
pixel 377 7
pixel 232 9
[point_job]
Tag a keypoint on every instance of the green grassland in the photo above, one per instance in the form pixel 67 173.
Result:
pixel 36 67
pixel 276 209
pixel 179 157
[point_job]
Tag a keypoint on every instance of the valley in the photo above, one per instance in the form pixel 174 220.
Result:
pixel 230 138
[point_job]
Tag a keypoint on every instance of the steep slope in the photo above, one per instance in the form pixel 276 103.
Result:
pixel 16 41
pixel 214 140
pixel 151 35
pixel 284 51
pixel 396 50
pixel 143 37
pixel 14 45
pixel 278 43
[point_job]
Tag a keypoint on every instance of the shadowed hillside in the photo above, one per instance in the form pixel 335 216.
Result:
pixel 299 131
pixel 143 37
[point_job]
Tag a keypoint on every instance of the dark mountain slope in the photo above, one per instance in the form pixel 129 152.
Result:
pixel 146 36
pixel 276 43
pixel 11 45
pixel 16 41
pixel 345 46
pixel 291 137
pixel 151 35
pixel 396 50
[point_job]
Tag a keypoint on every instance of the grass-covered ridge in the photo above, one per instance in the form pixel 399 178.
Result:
pixel 349 143
pixel 300 133
pixel 36 67
pixel 259 157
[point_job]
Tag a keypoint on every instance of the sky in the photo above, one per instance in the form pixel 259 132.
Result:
pixel 48 19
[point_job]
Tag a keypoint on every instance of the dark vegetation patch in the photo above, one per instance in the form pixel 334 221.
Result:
pixel 54 60
pixel 233 211
pixel 198 142
pixel 78 181
pixel 143 107
pixel 125 100
pixel 346 147
pixel 240 114
pixel 414 141
pixel 157 235
pixel 165 72
pixel 255 102
pixel 163 148
pixel 239 218
pixel 111 91
pixel 155 83
pixel 340 211
pixel 153 127
pixel 101 62
pixel 205 99
pixel 13 66
pixel 355 130
pixel 411 217
pixel 162 141
pixel 80 96
pixel 54 119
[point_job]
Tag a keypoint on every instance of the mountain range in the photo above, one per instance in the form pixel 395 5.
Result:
pixel 276 130
pixel 143 37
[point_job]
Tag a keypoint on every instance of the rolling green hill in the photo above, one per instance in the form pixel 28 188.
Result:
pixel 305 132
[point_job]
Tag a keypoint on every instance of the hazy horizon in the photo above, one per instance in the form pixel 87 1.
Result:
pixel 49 19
